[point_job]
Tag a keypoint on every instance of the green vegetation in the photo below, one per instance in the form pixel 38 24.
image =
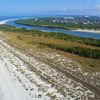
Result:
pixel 48 23
pixel 61 36
pixel 79 50
pixel 83 50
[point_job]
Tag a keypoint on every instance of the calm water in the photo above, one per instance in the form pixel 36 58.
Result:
pixel 75 33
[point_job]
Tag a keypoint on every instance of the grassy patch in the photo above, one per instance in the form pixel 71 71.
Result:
pixel 38 41
pixel 85 52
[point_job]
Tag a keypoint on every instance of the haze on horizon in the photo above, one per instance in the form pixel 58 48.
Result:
pixel 49 7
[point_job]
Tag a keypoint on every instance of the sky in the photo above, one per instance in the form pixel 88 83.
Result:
pixel 49 7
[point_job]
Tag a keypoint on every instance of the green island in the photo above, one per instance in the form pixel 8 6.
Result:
pixel 84 50
pixel 51 23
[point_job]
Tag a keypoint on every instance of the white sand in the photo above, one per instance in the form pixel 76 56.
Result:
pixel 85 30
pixel 9 90
pixel 15 76
pixel 4 21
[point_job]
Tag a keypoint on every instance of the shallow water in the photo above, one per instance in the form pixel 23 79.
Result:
pixel 75 33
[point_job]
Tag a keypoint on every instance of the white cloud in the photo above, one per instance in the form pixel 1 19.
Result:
pixel 91 10
pixel 97 7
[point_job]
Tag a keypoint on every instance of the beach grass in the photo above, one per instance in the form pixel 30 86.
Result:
pixel 32 42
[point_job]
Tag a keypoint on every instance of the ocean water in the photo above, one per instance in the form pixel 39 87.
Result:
pixel 75 33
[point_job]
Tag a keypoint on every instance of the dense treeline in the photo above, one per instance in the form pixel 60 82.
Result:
pixel 85 52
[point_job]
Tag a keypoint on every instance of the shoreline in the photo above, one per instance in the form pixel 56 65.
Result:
pixel 86 30
pixel 4 21
pixel 77 30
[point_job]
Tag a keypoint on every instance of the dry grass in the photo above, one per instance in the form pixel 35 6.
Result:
pixel 27 42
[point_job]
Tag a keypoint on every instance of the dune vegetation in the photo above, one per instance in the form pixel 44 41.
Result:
pixel 84 50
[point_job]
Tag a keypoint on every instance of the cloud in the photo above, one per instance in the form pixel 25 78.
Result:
pixel 97 7
pixel 80 10
pixel 91 10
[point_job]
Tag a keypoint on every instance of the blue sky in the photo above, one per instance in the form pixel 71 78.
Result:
pixel 51 7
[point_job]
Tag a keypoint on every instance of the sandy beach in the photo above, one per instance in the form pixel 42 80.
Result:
pixel 18 81
pixel 85 30
pixel 4 21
